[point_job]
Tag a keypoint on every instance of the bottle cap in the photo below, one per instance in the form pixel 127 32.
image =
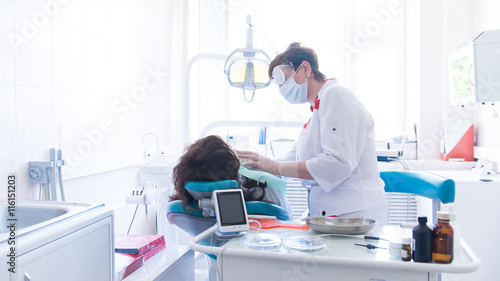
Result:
pixel 406 240
pixel 443 215
pixel 422 219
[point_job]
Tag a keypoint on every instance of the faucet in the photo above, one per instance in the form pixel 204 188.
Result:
pixel 146 153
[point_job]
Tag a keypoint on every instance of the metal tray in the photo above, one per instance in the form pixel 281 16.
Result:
pixel 334 225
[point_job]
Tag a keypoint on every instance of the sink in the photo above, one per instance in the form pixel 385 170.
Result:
pixel 158 167
pixel 31 215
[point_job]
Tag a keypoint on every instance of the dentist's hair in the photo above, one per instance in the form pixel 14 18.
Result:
pixel 207 159
pixel 296 53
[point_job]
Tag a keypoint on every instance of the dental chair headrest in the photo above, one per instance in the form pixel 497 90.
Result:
pixel 204 189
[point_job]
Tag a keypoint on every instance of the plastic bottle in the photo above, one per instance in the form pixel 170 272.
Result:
pixel 457 233
pixel 262 141
pixel 442 239
pixel 406 249
pixel 422 241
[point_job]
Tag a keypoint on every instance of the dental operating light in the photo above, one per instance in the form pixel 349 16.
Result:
pixel 246 68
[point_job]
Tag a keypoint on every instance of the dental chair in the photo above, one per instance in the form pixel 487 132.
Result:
pixel 437 188
pixel 197 217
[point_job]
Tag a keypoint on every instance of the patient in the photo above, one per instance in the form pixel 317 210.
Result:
pixel 212 159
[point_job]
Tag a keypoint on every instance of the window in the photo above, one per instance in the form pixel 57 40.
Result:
pixel 361 43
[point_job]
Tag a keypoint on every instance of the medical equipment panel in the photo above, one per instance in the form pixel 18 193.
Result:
pixel 473 70
pixel 230 211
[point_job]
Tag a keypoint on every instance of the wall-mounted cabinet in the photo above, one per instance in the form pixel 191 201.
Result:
pixel 474 70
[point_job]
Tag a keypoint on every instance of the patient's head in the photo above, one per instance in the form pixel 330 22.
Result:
pixel 207 159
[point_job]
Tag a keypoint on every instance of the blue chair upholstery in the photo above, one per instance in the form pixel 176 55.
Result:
pixel 437 188
pixel 192 219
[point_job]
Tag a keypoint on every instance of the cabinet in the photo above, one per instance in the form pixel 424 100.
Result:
pixel 478 213
pixel 78 254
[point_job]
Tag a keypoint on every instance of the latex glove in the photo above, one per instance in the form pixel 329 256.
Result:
pixel 293 169
pixel 254 160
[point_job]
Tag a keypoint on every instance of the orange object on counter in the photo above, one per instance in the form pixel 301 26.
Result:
pixel 268 223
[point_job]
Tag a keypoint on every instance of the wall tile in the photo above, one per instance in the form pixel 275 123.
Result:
pixel 67 58
pixel 94 114
pixel 122 71
pixel 94 74
pixel 8 126
pixel 34 56
pixel 36 6
pixel 68 12
pixel 111 187
pixel 127 134
pixel 7 42
pixel 35 124
pixel 150 42
pixel 74 60
pixel 68 118
pixel 95 18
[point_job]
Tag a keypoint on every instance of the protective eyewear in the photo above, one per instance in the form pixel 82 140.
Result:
pixel 281 73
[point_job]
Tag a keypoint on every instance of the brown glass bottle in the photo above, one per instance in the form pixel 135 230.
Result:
pixel 442 239
pixel 406 249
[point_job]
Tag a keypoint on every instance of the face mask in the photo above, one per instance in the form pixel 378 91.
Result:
pixel 294 93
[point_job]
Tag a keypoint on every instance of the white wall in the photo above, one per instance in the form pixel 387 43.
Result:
pixel 443 26
pixel 430 66
pixel 459 28
pixel 488 126
pixel 434 28
pixel 92 77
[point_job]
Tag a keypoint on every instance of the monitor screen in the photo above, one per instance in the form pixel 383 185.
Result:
pixel 231 208
pixel 461 76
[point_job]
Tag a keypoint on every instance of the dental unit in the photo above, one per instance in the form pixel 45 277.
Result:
pixel 48 174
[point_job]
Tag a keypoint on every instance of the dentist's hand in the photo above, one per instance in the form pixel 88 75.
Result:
pixel 293 169
pixel 254 160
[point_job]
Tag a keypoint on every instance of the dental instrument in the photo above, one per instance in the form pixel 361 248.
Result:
pixel 135 212
pixel 366 237
pixel 52 178
pixel 60 163
pixel 369 246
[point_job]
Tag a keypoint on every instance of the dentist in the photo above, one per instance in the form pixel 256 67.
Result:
pixel 335 152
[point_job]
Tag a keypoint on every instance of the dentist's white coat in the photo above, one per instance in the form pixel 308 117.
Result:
pixel 338 147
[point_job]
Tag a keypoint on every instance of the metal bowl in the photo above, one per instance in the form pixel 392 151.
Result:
pixel 334 225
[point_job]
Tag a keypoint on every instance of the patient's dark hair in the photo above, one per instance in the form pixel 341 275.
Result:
pixel 207 159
